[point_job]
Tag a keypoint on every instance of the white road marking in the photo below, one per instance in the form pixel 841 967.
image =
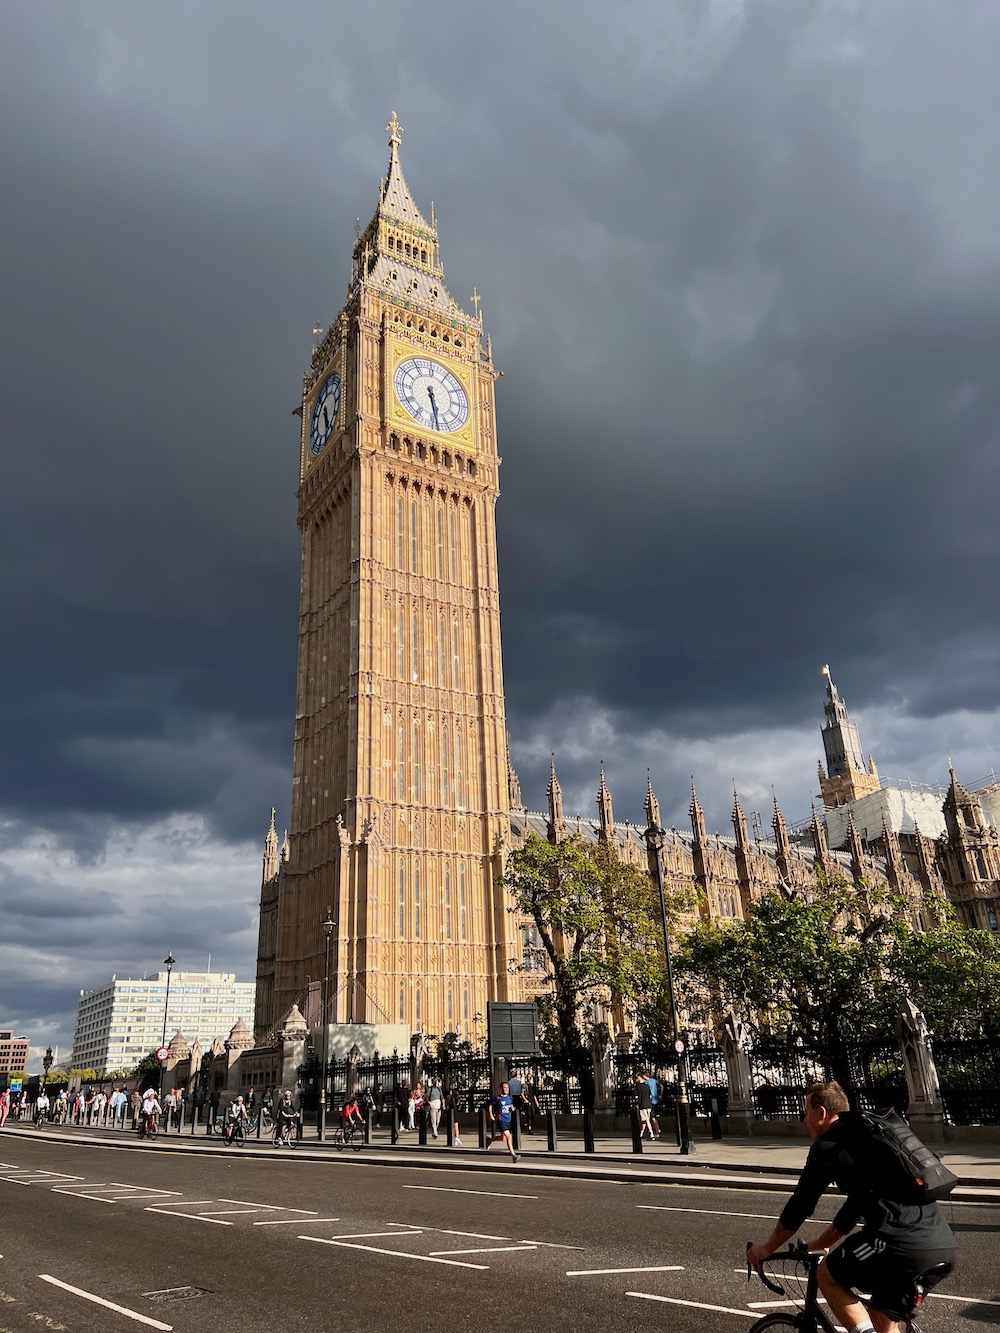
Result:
pixel 194 1217
pixel 275 1207
pixel 697 1305
pixel 711 1212
pixel 492 1194
pixel 552 1245
pixel 149 1189
pixel 973 1300
pixel 396 1254
pixel 224 1212
pixel 473 1235
pixel 487 1249
pixel 75 1194
pixel 601 1272
pixel 302 1221
pixel 108 1305
pixel 770 1305
pixel 378 1235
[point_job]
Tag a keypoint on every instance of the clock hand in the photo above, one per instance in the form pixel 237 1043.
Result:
pixel 434 409
pixel 326 419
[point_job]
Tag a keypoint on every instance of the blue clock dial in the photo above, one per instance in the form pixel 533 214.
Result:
pixel 431 394
pixel 324 416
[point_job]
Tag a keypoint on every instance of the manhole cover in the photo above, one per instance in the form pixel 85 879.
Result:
pixel 175 1294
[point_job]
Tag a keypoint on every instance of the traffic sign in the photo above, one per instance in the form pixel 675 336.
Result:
pixel 162 1053
pixel 679 1046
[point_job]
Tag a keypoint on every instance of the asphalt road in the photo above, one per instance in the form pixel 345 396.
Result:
pixel 287 1243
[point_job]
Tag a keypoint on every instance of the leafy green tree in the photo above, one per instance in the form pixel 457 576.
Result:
pixel 147 1071
pixel 596 936
pixel 838 966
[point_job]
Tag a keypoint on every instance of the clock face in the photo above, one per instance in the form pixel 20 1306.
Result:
pixel 430 394
pixel 324 416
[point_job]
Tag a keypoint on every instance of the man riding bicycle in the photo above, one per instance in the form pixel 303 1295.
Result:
pixel 286 1121
pixel 896 1244
pixel 236 1115
pixel 149 1110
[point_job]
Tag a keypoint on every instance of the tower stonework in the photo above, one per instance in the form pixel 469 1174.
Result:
pixel 846 777
pixel 400 797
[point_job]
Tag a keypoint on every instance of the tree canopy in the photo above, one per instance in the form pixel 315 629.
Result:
pixel 598 935
pixel 841 963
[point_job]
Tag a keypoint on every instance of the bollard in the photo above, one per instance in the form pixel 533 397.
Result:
pixel 485 1136
pixel 636 1125
pixel 423 1115
pixel 588 1130
pixel 260 1122
pixel 451 1128
pixel 394 1125
pixel 550 1128
pixel 369 1124
pixel 515 1131
pixel 194 1119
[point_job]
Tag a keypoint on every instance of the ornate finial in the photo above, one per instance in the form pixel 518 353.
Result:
pixel 357 229
pixel 475 298
pixel 825 670
pixel 394 131
pixel 433 217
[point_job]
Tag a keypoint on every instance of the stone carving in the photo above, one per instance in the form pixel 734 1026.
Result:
pixel 735 1041
pixel 925 1107
pixel 600 1051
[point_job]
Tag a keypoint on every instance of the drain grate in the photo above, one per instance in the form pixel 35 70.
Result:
pixel 175 1294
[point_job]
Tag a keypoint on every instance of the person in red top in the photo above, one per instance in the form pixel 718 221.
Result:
pixel 351 1115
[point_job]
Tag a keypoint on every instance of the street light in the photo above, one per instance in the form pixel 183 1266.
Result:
pixel 654 844
pixel 46 1064
pixel 328 927
pixel 168 963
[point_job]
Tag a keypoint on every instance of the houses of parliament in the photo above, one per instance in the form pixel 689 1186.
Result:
pixel 404 802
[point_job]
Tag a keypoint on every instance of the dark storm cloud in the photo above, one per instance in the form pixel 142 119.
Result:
pixel 739 264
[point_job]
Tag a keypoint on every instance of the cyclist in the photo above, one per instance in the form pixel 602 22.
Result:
pixel 236 1115
pixel 286 1121
pixel 350 1116
pixel 149 1110
pixel 896 1244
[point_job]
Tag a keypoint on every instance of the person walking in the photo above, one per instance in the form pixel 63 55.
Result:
pixel 645 1104
pixel 4 1106
pixel 530 1104
pixel 435 1105
pixel 501 1115
pixel 654 1102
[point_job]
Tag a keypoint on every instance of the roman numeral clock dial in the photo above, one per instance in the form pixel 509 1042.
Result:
pixel 431 395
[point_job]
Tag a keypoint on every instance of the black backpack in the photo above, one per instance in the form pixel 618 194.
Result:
pixel 900 1167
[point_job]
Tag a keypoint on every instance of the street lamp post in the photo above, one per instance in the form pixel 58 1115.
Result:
pixel 328 927
pixel 654 843
pixel 168 963
pixel 46 1065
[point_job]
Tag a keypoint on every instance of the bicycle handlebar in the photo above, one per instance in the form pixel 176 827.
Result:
pixel 797 1250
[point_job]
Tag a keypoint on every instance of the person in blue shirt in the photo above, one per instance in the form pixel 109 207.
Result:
pixel 501 1114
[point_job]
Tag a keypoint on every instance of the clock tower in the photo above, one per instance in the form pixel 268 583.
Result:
pixel 400 810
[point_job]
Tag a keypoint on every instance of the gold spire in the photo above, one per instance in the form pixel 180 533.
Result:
pixel 395 132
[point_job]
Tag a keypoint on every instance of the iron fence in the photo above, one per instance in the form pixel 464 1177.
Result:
pixel 969 1075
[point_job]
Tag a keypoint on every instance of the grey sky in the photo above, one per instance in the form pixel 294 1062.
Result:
pixel 740 266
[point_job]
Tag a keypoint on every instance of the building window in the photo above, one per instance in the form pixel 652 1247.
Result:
pixel 447 902
pixel 456 660
pixel 416 1005
pixel 400 532
pixel 416 899
pixel 414 536
pixel 463 917
pixel 440 543
pixel 402 902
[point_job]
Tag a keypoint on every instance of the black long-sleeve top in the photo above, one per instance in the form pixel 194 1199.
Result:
pixel 833 1159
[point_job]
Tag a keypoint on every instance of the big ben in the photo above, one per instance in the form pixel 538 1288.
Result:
pixel 400 809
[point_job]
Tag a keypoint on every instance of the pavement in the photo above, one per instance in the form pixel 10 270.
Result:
pixel 738 1163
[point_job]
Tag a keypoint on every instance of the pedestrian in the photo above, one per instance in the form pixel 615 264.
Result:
pixel 453 1104
pixel 118 1103
pixel 379 1104
pixel 4 1106
pixel 654 1102
pixel 435 1105
pixel 530 1103
pixel 501 1115
pixel 251 1101
pixel 645 1108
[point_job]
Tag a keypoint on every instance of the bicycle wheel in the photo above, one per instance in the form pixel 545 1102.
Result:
pixel 338 1140
pixel 357 1141
pixel 239 1136
pixel 779 1323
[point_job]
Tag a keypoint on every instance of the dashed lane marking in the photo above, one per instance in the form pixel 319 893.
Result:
pixel 275 1207
pixel 603 1272
pixel 473 1235
pixel 376 1235
pixel 947 1296
pixel 492 1194
pixel 486 1249
pixel 301 1221
pixel 108 1305
pixel 696 1305
pixel 709 1212
pixel 396 1254
pixel 553 1245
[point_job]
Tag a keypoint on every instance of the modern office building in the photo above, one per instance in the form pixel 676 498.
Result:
pixel 13 1054
pixel 118 1024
